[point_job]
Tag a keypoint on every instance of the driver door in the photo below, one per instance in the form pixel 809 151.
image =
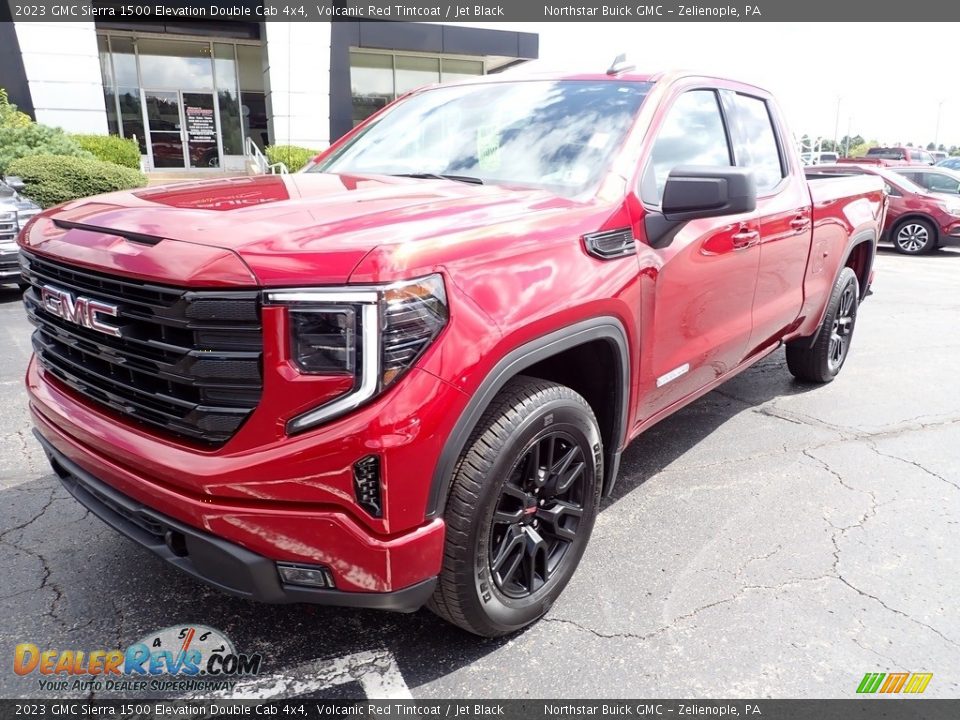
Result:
pixel 700 321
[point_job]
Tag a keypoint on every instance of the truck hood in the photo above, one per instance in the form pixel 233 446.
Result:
pixel 288 230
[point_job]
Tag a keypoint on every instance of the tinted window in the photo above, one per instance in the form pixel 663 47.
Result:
pixel 885 153
pixel 692 134
pixel 941 182
pixel 755 143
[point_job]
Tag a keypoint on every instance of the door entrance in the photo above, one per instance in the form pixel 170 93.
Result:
pixel 182 129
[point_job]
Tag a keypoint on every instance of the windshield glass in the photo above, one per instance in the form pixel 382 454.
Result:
pixel 558 135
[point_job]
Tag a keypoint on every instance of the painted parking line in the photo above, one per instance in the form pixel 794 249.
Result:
pixel 376 671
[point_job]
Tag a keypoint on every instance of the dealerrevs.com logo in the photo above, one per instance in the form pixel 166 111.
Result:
pixel 176 659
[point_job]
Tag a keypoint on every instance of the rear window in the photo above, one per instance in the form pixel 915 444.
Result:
pixel 886 153
pixel 755 143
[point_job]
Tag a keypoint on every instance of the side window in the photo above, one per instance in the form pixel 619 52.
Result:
pixel 755 145
pixel 691 134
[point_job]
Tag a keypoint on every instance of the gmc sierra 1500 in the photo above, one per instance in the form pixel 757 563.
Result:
pixel 406 375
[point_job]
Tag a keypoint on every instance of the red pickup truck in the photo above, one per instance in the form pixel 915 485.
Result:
pixel 892 156
pixel 406 376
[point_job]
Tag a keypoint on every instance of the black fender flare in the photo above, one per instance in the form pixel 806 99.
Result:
pixel 858 239
pixel 607 328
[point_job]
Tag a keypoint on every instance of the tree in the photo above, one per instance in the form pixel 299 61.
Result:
pixel 909 144
pixel 10 117
pixel 931 146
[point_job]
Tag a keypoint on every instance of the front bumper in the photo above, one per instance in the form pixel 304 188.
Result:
pixel 224 565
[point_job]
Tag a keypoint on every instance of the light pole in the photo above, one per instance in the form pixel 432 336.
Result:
pixel 936 134
pixel 836 126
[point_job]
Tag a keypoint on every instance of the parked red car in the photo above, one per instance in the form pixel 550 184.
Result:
pixel 892 156
pixel 407 375
pixel 918 220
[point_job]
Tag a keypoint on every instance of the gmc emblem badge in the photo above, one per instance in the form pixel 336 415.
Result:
pixel 79 310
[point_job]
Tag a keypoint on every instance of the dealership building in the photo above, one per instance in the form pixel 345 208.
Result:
pixel 207 94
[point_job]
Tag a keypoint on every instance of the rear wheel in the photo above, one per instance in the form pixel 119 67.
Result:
pixel 522 505
pixel 915 237
pixel 822 361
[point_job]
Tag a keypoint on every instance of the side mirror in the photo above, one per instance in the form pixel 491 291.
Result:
pixel 14 182
pixel 694 191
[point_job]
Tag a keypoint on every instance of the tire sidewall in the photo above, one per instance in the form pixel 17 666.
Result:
pixel 847 277
pixel 502 612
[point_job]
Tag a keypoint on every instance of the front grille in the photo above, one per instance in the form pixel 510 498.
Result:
pixel 187 362
pixel 8 226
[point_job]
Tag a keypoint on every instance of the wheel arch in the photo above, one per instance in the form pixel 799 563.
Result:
pixel 542 358
pixel 906 217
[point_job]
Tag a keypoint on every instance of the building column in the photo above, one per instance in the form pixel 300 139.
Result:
pixel 296 78
pixel 62 67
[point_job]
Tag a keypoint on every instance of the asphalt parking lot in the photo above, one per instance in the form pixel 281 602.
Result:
pixel 771 540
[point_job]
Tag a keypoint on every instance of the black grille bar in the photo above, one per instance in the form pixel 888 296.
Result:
pixel 187 362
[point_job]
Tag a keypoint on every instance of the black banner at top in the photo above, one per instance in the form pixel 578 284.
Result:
pixel 486 11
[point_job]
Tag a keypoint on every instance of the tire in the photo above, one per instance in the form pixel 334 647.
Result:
pixel 822 361
pixel 914 237
pixel 493 508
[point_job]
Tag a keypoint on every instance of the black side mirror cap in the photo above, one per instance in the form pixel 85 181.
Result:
pixel 695 191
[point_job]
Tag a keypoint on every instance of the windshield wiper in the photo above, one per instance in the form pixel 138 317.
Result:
pixel 437 176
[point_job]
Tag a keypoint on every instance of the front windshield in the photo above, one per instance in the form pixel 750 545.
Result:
pixel 558 135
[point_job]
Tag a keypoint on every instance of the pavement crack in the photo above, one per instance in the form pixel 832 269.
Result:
pixel 32 519
pixel 915 464
pixel 895 611
pixel 606 636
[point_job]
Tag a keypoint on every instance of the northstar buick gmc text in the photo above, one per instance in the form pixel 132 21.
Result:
pixel 406 375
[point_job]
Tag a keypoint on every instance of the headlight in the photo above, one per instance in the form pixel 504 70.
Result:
pixel 374 334
pixel 951 207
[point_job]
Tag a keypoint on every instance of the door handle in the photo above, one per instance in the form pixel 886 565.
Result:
pixel 745 239
pixel 800 223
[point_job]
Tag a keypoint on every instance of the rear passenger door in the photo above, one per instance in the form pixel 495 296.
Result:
pixel 783 204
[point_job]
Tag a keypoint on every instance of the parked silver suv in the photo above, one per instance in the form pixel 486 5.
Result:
pixel 15 211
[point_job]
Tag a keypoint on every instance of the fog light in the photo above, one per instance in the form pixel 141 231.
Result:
pixel 309 575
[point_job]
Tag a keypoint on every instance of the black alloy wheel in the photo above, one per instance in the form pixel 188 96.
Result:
pixel 537 515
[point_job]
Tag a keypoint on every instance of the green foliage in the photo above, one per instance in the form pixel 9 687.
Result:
pixel 35 139
pixel 54 179
pixel 290 155
pixel 10 117
pixel 111 148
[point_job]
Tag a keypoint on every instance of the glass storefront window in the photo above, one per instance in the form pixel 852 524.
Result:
pixel 175 64
pixel 371 83
pixel 250 60
pixel 414 72
pixel 124 62
pixel 170 72
pixel 109 93
pixel 379 78
pixel 253 109
pixel 228 99
pixel 452 69
pixel 131 116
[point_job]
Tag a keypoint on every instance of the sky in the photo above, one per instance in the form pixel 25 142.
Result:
pixel 891 96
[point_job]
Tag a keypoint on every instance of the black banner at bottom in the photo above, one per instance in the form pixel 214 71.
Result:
pixel 878 708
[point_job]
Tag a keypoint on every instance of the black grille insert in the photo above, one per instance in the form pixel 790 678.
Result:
pixel 188 362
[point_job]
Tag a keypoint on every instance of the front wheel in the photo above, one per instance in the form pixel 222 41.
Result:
pixel 522 505
pixel 822 361
pixel 915 237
